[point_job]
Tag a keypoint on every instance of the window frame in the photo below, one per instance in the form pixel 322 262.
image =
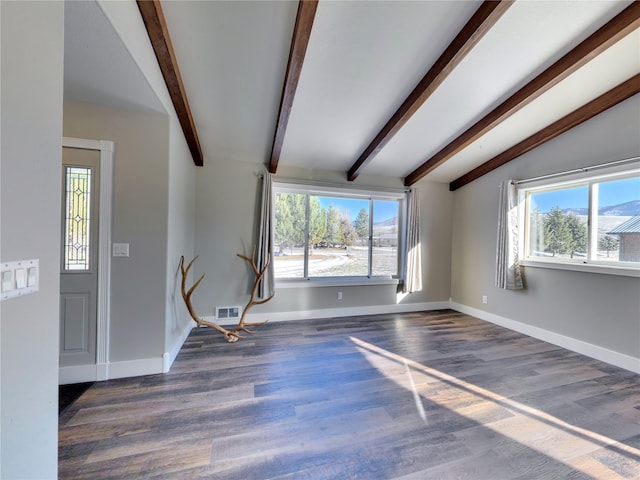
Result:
pixel 591 180
pixel 371 194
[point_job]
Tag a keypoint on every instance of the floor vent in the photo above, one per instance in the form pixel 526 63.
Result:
pixel 227 312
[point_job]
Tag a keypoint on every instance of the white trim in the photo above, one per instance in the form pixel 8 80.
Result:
pixel 338 312
pixel 594 351
pixel 169 357
pixel 102 372
pixel 104 268
pixel 135 368
pixel 364 191
pixel 585 267
pixel 99 371
pixel 334 282
pixel 584 172
pixel 83 373
pixel 77 374
pixel 124 369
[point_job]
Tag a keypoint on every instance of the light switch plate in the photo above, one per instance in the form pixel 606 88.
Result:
pixel 120 249
pixel 19 278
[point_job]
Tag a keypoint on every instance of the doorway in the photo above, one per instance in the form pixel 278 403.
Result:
pixel 78 265
pixel 85 259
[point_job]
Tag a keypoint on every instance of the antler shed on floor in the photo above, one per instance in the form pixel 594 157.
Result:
pixel 230 335
pixel 252 301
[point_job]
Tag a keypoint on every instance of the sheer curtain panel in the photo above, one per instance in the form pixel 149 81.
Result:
pixel 508 273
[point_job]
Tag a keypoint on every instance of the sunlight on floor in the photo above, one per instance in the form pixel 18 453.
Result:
pixel 529 426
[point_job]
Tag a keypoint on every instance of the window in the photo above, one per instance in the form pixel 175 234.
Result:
pixel 335 233
pixel 77 221
pixel 588 221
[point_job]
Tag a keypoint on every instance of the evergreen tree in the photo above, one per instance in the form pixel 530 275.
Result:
pixel 317 221
pixel 362 224
pixel 578 233
pixel 332 235
pixel 289 220
pixel 557 236
pixel 608 243
pixel 348 235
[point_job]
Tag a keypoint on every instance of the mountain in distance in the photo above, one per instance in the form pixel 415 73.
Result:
pixel 627 209
pixel 575 211
pixel 389 222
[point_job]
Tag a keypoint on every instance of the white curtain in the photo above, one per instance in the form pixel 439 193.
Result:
pixel 508 273
pixel 264 251
pixel 413 260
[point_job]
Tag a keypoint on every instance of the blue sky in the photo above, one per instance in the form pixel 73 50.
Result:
pixel 382 210
pixel 610 193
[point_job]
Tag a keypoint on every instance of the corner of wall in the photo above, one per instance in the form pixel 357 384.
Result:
pixel 169 357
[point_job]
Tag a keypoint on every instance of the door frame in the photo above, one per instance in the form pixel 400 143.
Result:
pixel 100 371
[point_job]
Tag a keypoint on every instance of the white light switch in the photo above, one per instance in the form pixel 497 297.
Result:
pixel 120 249
pixel 19 278
pixel 7 280
pixel 32 277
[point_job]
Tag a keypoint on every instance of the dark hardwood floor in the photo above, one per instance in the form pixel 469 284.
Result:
pixel 432 395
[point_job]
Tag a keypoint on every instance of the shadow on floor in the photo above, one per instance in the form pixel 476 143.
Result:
pixel 67 394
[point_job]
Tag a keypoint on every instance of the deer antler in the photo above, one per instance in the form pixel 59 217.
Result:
pixel 252 301
pixel 230 336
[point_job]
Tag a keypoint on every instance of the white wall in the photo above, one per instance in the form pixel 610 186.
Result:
pixel 180 235
pixel 227 205
pixel 126 20
pixel 140 218
pixel 32 39
pixel 600 310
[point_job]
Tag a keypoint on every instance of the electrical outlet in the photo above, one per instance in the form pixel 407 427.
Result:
pixel 339 295
pixel 484 299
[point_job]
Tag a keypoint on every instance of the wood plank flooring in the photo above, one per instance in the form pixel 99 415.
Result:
pixel 431 395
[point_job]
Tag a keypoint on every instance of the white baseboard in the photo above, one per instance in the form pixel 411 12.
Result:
pixel 335 312
pixel 109 371
pixel 135 368
pixel 594 351
pixel 169 357
pixel 77 374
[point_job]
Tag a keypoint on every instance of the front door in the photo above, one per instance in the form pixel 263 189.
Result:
pixel 79 256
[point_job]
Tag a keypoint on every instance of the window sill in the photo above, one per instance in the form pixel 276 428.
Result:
pixel 582 267
pixel 333 282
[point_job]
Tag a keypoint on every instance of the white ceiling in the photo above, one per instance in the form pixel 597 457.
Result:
pixel 363 59
pixel 97 65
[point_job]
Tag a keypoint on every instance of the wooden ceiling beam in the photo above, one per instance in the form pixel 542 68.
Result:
pixel 480 23
pixel 617 28
pixel 158 32
pixel 299 42
pixel 605 101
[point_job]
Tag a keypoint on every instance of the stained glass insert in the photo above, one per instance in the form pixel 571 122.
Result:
pixel 77 218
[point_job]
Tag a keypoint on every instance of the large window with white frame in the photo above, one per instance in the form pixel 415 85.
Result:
pixel 323 233
pixel 591 219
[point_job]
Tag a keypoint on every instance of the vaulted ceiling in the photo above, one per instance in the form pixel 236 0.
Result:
pixel 421 89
